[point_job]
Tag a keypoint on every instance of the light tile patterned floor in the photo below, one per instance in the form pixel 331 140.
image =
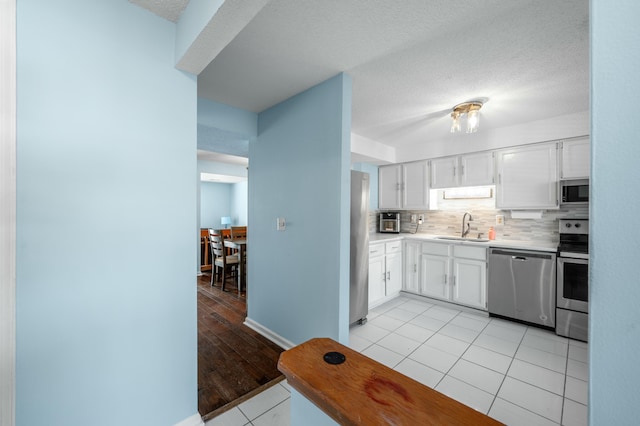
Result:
pixel 516 374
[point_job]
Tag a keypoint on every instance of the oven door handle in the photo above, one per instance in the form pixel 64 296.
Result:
pixel 520 258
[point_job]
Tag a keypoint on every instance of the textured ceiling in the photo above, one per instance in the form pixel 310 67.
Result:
pixel 168 9
pixel 412 61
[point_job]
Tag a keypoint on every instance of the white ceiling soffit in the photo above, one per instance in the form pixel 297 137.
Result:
pixel 216 178
pixel 222 158
pixel 228 21
pixel 412 61
pixel 167 9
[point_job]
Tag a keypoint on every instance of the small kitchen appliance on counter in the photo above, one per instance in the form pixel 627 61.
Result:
pixel 390 222
pixel 572 301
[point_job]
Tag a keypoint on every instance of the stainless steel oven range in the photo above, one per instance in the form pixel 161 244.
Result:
pixel 572 298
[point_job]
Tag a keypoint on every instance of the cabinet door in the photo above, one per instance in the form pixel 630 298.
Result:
pixel 576 159
pixel 376 280
pixel 477 169
pixel 411 257
pixel 444 172
pixel 415 190
pixel 389 186
pixel 527 177
pixel 394 274
pixel 470 283
pixel 434 276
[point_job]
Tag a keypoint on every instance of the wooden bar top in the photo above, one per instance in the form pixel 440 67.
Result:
pixel 361 391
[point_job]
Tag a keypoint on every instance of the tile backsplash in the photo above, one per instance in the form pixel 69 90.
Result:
pixel 449 222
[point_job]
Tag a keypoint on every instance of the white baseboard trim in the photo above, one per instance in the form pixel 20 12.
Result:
pixel 194 420
pixel 264 331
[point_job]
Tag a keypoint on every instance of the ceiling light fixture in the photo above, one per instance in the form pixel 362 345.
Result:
pixel 471 111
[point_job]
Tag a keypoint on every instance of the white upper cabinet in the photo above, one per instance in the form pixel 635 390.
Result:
pixel 477 169
pixel 444 172
pixel 463 170
pixel 527 177
pixel 389 182
pixel 415 191
pixel 575 159
pixel 404 186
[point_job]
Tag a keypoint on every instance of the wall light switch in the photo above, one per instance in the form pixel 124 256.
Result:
pixel 280 224
pixel 499 219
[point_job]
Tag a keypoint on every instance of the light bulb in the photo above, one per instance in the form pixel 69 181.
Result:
pixel 455 122
pixel 473 119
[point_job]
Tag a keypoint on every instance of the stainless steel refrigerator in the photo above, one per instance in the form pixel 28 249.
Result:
pixel 359 289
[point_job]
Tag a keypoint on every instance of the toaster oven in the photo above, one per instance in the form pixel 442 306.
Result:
pixel 390 222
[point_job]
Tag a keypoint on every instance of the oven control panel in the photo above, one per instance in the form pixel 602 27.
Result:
pixel 574 226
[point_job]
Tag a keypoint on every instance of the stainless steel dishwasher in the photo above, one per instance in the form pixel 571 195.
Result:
pixel 522 285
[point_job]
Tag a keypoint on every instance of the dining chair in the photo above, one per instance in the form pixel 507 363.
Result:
pixel 225 233
pixel 222 261
pixel 238 232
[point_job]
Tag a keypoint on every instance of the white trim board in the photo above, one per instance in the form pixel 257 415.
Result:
pixel 7 211
pixel 264 331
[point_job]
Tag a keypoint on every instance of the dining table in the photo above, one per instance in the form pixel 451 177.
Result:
pixel 241 246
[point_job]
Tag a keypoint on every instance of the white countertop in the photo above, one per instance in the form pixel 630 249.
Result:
pixel 501 243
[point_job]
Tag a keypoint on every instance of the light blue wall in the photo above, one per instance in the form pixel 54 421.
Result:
pixel 225 129
pixel 614 383
pixel 240 203
pixel 215 202
pixel 299 278
pixel 106 303
pixel 223 199
pixel 373 182
pixel 234 199
pixel 235 120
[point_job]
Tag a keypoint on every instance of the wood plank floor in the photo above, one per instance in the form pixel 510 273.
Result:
pixel 234 362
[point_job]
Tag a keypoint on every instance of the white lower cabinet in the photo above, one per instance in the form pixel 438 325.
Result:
pixel 385 271
pixel 411 256
pixel 434 276
pixel 452 272
pixel 470 285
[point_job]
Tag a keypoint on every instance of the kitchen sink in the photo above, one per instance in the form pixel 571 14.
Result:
pixel 471 240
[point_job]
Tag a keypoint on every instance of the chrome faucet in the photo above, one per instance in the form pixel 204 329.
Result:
pixel 466 231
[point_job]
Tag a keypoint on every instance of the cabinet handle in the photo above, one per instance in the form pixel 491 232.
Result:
pixel 499 178
pixel 454 171
pixel 453 280
pixel 415 267
pixel 389 275
pixel 398 186
pixel 445 278
pixel 461 170
pixel 384 276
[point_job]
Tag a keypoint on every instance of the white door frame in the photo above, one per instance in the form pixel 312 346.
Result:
pixel 7 211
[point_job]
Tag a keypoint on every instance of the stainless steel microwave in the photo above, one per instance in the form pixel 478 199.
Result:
pixel 574 191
